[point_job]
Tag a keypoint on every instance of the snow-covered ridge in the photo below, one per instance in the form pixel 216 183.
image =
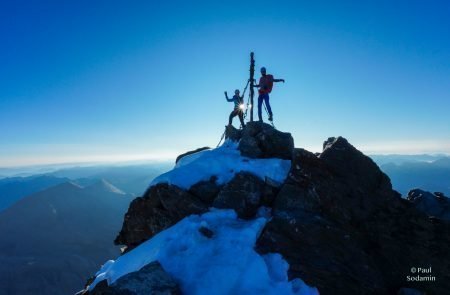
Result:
pixel 223 162
pixel 225 263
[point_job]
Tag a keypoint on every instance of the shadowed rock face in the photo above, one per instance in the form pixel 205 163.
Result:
pixel 243 194
pixel 161 206
pixel 436 205
pixel 151 279
pixel 336 219
pixel 343 229
pixel 164 205
pixel 260 140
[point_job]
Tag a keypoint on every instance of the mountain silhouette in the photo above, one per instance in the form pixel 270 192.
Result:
pixel 13 189
pixel 51 240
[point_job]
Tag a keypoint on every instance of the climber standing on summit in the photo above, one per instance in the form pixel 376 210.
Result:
pixel 238 107
pixel 265 87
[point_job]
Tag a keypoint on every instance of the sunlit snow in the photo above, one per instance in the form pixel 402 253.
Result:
pixel 226 263
pixel 223 162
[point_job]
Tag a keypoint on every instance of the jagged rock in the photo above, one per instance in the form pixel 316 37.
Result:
pixel 191 152
pixel 336 219
pixel 243 194
pixel 362 184
pixel 206 190
pixel 270 143
pixel 249 147
pixel 260 140
pixel 436 205
pixel 161 206
pixel 269 192
pixel 337 214
pixel 150 279
pixel 232 133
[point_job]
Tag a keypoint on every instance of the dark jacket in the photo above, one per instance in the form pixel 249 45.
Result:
pixel 236 99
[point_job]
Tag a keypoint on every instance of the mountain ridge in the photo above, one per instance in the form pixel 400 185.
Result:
pixel 55 237
pixel 335 213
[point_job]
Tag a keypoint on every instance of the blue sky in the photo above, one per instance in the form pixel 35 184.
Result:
pixel 122 80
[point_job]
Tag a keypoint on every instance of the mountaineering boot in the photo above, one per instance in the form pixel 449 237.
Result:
pixel 270 118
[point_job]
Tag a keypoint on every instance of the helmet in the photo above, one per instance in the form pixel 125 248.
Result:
pixel 236 91
pixel 263 70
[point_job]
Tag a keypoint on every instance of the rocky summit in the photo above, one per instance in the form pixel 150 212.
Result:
pixel 260 140
pixel 335 219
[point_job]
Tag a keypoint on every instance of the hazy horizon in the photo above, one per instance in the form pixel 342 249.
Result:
pixel 44 167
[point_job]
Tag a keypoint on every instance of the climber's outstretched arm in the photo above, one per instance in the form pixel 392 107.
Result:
pixel 226 96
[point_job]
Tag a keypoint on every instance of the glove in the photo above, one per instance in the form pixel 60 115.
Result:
pixel 282 80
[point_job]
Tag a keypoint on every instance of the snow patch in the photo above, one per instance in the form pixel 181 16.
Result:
pixel 226 263
pixel 223 162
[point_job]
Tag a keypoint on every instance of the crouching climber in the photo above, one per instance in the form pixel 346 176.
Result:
pixel 238 107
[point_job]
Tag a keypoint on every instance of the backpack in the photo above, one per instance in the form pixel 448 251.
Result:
pixel 268 84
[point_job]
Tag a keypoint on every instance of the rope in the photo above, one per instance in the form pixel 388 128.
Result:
pixel 221 138
pixel 245 88
pixel 246 108
pixel 248 100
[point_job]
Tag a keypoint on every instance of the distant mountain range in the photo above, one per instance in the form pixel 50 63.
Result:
pixel 400 159
pixel 132 179
pixel 427 172
pixel 14 188
pixel 56 228
pixel 54 239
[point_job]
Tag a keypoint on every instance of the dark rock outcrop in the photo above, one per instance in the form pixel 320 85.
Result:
pixel 191 152
pixel 232 133
pixel 161 206
pixel 260 140
pixel 436 205
pixel 206 190
pixel 336 219
pixel 343 229
pixel 243 194
pixel 150 279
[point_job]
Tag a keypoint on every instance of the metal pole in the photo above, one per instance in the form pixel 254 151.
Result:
pixel 252 92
